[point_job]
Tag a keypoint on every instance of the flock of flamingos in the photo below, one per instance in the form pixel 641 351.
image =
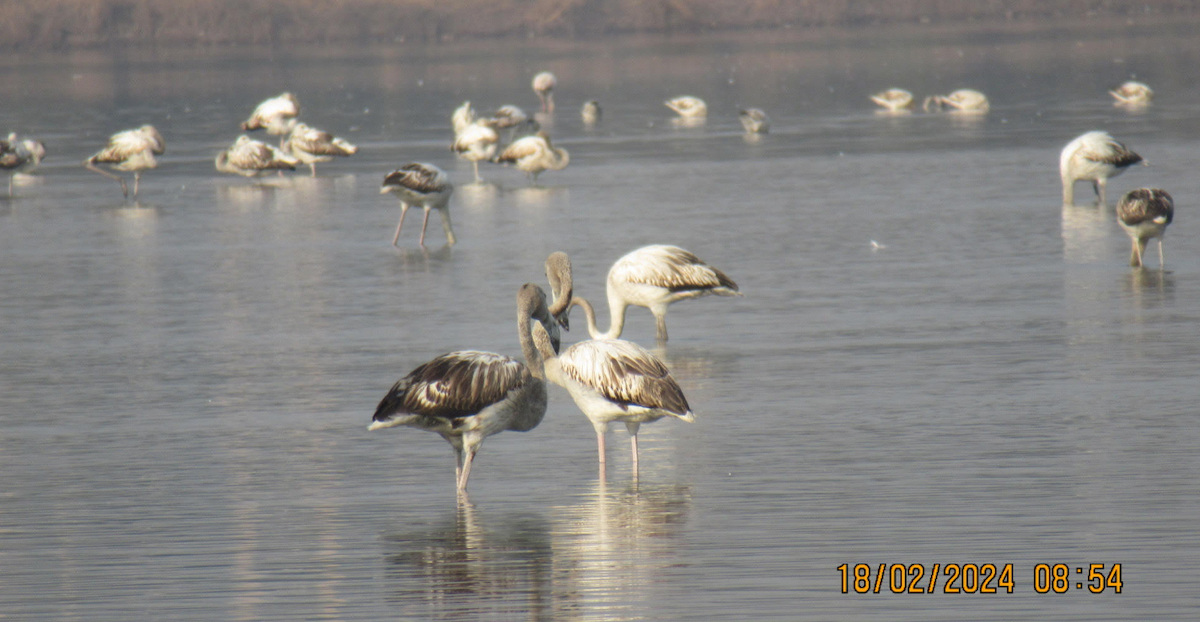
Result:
pixel 469 395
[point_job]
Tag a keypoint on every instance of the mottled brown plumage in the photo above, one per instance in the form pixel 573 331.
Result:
pixel 421 184
pixel 249 158
pixel 131 150
pixel 1144 214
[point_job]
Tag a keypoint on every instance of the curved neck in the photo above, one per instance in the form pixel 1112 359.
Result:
pixel 616 317
pixel 533 358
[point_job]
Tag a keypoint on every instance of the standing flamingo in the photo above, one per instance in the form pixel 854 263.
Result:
pixel 1144 214
pixel 250 158
pixel 543 85
pixel 468 396
pixel 535 154
pixel 425 185
pixel 277 115
pixel 18 155
pixel 310 145
pixel 614 380
pixel 655 277
pixel 477 141
pixel 1095 157
pixel 131 150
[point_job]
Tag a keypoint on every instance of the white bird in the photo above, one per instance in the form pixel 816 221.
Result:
pixel 1132 94
pixel 131 150
pixel 18 155
pixel 310 145
pixel 468 396
pixel 477 141
pixel 894 100
pixel 1095 157
pixel 655 277
pixel 535 154
pixel 543 85
pixel 614 380
pixel 966 100
pixel 277 115
pixel 511 118
pixel 754 121
pixel 425 185
pixel 688 107
pixel 558 273
pixel 591 112
pixel 462 116
pixel 1144 214
pixel 250 158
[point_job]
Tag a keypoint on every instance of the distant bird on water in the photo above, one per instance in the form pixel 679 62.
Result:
pixel 754 121
pixel 425 185
pixel 655 277
pixel 250 158
pixel 966 100
pixel 131 150
pixel 310 145
pixel 535 154
pixel 468 396
pixel 894 100
pixel 614 380
pixel 688 107
pixel 1095 157
pixel 477 141
pixel 1144 214
pixel 277 115
pixel 1132 94
pixel 591 112
pixel 18 155
pixel 543 85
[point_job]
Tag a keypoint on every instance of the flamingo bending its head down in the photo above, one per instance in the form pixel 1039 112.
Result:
pixel 18 155
pixel 421 184
pixel 310 145
pixel 1095 157
pixel 1144 214
pixel 535 154
pixel 250 158
pixel 543 85
pixel 131 150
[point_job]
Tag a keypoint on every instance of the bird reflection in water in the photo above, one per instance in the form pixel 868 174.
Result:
pixel 1149 288
pixel 466 568
pixel 477 195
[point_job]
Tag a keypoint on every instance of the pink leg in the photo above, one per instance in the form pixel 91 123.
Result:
pixel 424 223
pixel 633 441
pixel 403 211
pixel 466 470
pixel 313 166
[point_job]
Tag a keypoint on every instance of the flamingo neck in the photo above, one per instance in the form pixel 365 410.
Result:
pixel 533 358
pixel 616 317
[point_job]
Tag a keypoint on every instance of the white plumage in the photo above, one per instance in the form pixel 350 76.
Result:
pixel 462 116
pixel 421 184
pixel 688 107
pixel 469 395
pixel 614 380
pixel 277 115
pixel 249 158
pixel 310 145
pixel 966 100
pixel 1144 214
pixel 754 121
pixel 655 277
pixel 18 155
pixel 477 141
pixel 894 100
pixel 1095 157
pixel 1132 94
pixel 535 154
pixel 543 85
pixel 131 150
pixel 590 112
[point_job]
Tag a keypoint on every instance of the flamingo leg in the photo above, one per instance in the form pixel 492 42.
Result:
pixel 92 167
pixel 450 239
pixel 600 446
pixel 10 185
pixel 1161 262
pixel 313 166
pixel 478 179
pixel 660 328
pixel 634 444
pixel 424 223
pixel 1101 191
pixel 137 178
pixel 1135 259
pixel 403 211
pixel 466 469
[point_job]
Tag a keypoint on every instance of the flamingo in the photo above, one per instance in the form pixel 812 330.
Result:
pixel 754 121
pixel 1144 214
pixel 18 155
pixel 543 85
pixel 1132 94
pixel 688 107
pixel 535 154
pixel 469 395
pixel 965 100
pixel 250 158
pixel 277 115
pixel 477 141
pixel 462 116
pixel 425 185
pixel 558 273
pixel 131 150
pixel 310 145
pixel 894 100
pixel 511 118
pixel 591 112
pixel 654 277
pixel 1095 157
pixel 614 380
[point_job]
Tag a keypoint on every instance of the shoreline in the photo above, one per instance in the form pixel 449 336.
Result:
pixel 42 25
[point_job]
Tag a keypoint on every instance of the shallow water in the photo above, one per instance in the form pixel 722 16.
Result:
pixel 185 382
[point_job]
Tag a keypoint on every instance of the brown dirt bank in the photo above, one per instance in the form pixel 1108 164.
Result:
pixel 58 24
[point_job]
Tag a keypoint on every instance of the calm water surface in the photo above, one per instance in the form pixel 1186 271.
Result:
pixel 185 383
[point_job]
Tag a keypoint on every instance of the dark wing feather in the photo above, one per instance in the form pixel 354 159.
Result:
pixel 1120 157
pixel 454 385
pixel 414 177
pixel 1146 204
pixel 624 373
